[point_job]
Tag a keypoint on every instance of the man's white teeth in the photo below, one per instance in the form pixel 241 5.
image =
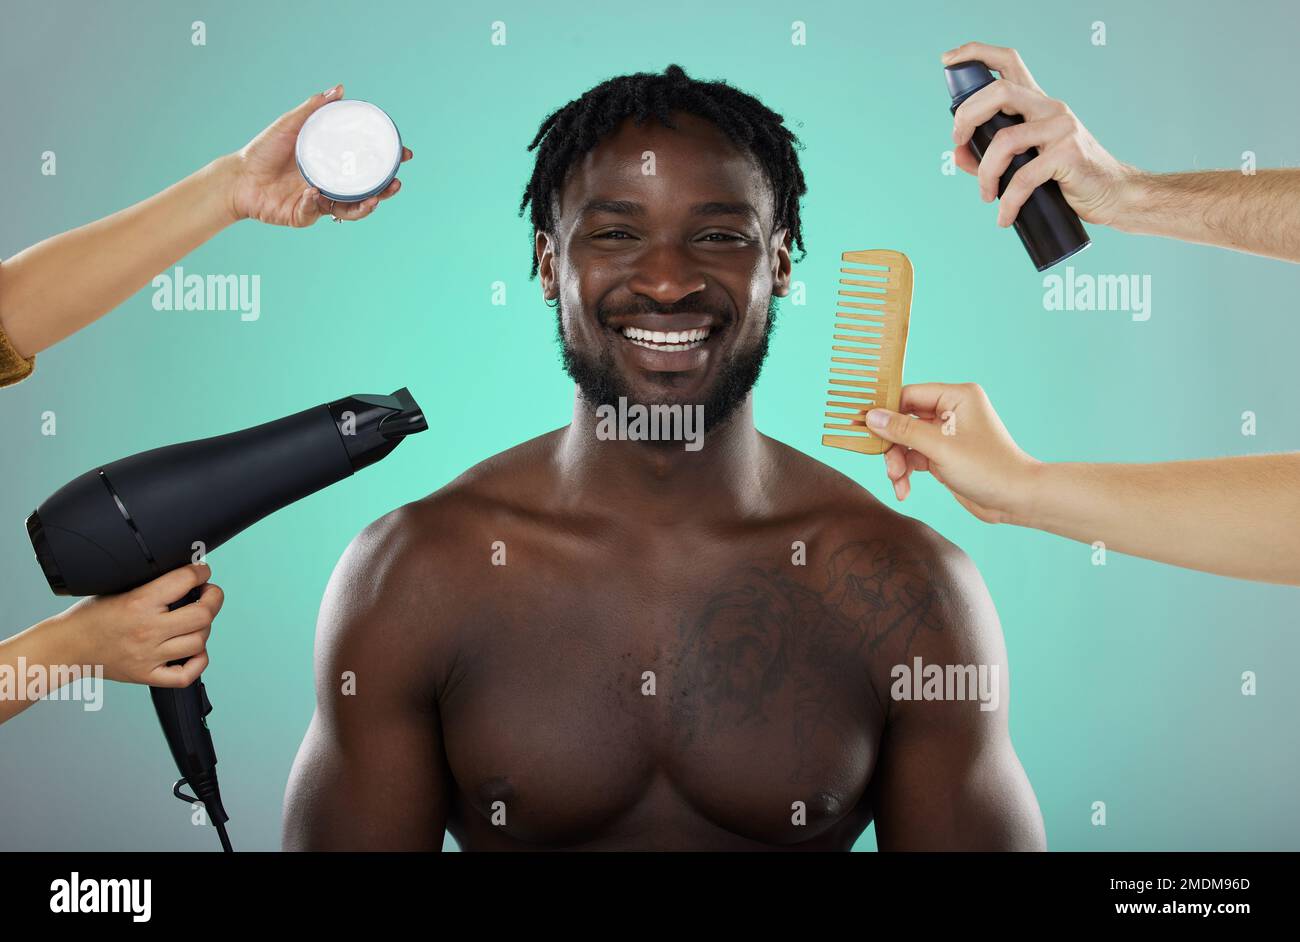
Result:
pixel 667 340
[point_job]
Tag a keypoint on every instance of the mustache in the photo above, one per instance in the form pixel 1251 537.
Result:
pixel 720 313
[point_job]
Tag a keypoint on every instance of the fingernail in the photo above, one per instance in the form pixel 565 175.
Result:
pixel 331 92
pixel 877 418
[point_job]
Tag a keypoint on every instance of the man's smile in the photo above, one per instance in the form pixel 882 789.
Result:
pixel 667 343
pixel 673 340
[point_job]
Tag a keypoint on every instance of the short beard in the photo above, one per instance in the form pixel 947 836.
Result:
pixel 599 381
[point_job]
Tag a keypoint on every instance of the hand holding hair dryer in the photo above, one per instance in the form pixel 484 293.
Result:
pixel 121 525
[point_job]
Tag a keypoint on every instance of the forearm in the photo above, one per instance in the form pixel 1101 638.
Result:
pixel 1236 517
pixel 58 286
pixel 1257 213
pixel 45 646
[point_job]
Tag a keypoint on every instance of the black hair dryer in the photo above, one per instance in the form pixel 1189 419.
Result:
pixel 1048 227
pixel 125 523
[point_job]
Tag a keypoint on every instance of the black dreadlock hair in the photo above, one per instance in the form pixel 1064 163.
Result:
pixel 576 129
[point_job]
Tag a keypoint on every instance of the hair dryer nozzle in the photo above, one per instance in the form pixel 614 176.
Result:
pixel 408 421
pixel 372 426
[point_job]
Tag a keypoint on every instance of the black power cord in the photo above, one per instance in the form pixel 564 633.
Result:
pixel 216 821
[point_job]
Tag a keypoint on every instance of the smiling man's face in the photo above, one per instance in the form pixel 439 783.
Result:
pixel 666 281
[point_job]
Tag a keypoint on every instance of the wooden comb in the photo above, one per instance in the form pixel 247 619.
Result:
pixel 872 311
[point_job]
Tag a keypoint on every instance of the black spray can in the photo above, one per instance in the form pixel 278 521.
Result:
pixel 1049 229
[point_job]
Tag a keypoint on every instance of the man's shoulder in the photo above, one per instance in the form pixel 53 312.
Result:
pixel 897 577
pixel 409 575
pixel 847 512
pixel 448 527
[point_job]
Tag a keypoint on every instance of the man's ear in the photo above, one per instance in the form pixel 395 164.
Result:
pixel 544 248
pixel 781 267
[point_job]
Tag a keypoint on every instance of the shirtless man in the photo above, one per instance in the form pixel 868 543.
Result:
pixel 683 649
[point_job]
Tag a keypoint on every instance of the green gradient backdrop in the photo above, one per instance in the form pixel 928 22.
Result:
pixel 1125 678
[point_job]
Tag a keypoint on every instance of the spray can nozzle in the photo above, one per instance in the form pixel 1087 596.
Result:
pixel 965 79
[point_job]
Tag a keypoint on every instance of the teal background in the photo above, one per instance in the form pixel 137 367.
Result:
pixel 1126 678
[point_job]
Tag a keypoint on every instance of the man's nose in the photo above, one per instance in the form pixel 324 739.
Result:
pixel 666 272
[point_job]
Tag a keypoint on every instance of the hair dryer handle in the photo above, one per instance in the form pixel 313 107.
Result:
pixel 182 712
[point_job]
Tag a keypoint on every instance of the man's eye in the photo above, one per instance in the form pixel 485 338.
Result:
pixel 619 235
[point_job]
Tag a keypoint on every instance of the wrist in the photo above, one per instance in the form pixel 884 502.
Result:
pixel 1030 497
pixel 62 638
pixel 53 644
pixel 223 176
pixel 1132 199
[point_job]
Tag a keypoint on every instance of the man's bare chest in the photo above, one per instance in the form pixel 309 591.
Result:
pixel 728 693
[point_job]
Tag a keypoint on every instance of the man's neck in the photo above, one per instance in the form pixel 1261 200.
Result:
pixel 662 482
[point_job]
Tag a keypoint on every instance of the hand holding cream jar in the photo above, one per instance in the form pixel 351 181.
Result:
pixel 350 150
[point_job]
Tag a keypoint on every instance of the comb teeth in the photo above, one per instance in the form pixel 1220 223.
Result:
pixel 872 312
